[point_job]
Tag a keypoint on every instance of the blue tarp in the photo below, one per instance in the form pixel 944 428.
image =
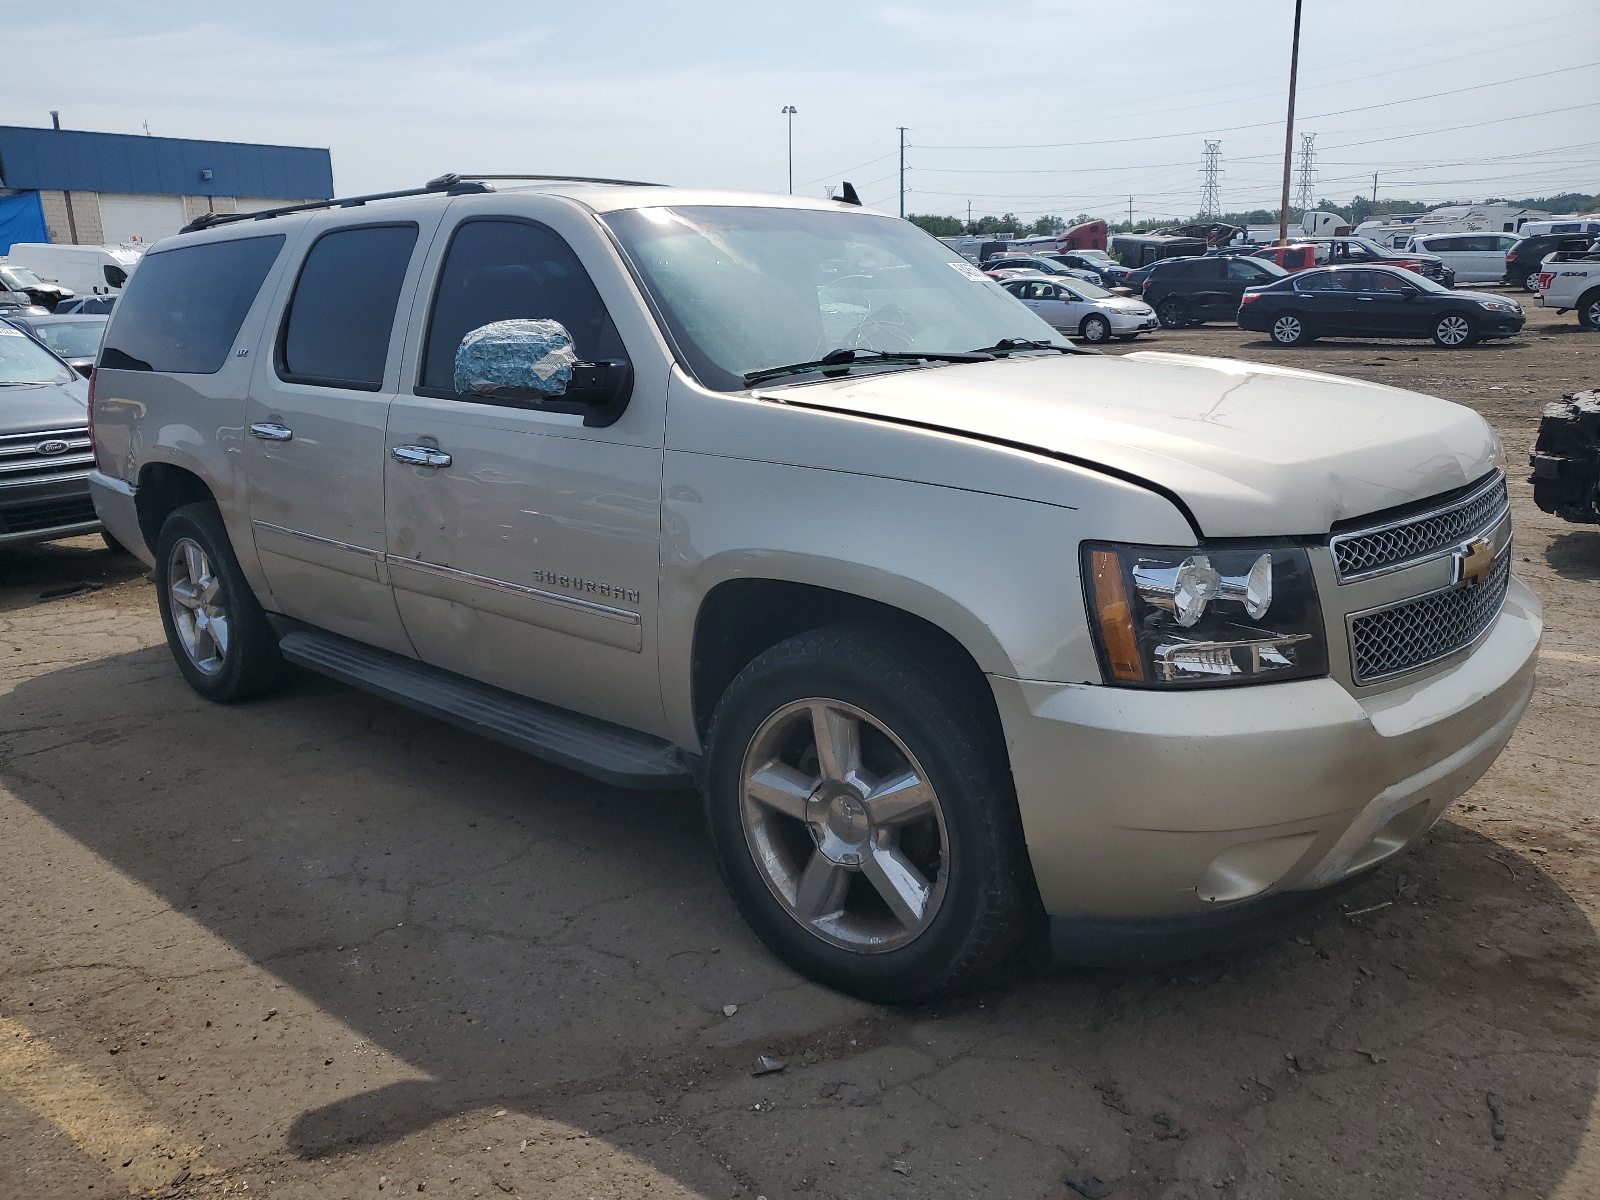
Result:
pixel 21 220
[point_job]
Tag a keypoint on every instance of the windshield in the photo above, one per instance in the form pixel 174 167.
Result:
pixel 17 278
pixel 71 339
pixel 1095 255
pixel 746 289
pixel 22 360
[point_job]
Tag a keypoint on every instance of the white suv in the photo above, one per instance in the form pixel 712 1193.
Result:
pixel 955 626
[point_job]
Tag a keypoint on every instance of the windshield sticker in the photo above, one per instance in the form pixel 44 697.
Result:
pixel 970 271
pixel 9 330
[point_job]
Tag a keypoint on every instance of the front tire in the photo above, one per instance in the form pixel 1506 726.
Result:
pixel 216 630
pixel 1172 313
pixel 1289 329
pixel 1454 331
pixel 1095 329
pixel 864 818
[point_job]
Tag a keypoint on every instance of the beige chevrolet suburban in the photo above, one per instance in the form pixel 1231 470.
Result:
pixel 957 627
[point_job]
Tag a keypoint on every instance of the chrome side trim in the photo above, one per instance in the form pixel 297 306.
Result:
pixel 621 615
pixel 360 551
pixel 112 483
pixel 1492 481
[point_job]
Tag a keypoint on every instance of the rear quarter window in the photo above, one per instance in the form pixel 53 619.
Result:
pixel 182 308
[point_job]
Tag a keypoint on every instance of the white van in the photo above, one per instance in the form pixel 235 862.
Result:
pixel 1475 257
pixel 87 270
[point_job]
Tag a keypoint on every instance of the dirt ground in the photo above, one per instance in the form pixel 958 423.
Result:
pixel 323 947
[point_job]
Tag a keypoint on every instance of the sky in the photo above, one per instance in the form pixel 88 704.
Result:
pixel 1029 106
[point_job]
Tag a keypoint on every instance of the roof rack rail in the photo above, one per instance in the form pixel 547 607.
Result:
pixel 452 184
pixel 569 179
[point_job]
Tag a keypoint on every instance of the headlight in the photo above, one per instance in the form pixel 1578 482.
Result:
pixel 1198 617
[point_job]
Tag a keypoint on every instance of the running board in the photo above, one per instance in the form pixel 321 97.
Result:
pixel 610 753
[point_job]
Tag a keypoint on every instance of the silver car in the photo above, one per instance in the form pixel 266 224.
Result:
pixel 1086 310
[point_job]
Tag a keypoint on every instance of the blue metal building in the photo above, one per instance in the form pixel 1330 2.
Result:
pixel 106 188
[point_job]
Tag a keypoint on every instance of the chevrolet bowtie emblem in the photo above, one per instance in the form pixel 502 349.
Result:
pixel 1474 561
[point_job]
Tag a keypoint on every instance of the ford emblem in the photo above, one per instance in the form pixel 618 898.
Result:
pixel 52 447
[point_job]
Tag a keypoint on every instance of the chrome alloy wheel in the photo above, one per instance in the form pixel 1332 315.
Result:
pixel 201 621
pixel 1453 330
pixel 844 825
pixel 1591 313
pixel 1287 330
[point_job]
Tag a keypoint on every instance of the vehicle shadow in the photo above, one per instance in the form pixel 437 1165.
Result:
pixel 1575 555
pixel 529 939
pixel 42 571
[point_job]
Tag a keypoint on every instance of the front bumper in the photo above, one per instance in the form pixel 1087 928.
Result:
pixel 1496 324
pixel 1131 322
pixel 1143 804
pixel 42 510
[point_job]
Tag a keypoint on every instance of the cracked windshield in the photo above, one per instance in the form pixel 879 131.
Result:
pixel 747 289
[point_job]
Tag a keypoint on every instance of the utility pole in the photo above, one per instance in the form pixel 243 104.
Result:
pixel 1374 187
pixel 969 216
pixel 1308 159
pixel 789 111
pixel 1288 130
pixel 1130 214
pixel 1211 188
pixel 902 129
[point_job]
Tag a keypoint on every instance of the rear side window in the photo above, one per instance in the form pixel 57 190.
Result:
pixel 182 308
pixel 500 270
pixel 336 331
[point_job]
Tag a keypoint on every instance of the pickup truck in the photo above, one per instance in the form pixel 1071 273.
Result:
pixel 1570 280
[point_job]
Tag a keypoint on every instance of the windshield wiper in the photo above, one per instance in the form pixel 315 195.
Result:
pixel 1008 345
pixel 845 357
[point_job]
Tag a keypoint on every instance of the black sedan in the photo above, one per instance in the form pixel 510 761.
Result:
pixel 1374 302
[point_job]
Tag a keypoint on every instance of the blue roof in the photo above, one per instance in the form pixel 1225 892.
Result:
pixel 78 161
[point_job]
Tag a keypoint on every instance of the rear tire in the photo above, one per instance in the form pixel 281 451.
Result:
pixel 1589 310
pixel 1172 313
pixel 856 918
pixel 216 630
pixel 1095 329
pixel 1454 331
pixel 1530 282
pixel 1289 329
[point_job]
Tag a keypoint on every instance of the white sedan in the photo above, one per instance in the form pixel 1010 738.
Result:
pixel 1083 309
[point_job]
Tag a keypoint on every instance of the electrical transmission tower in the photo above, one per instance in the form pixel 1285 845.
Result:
pixel 1211 183
pixel 1305 194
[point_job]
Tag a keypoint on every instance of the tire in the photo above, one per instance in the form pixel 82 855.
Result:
pixel 1095 329
pixel 1172 313
pixel 1530 282
pixel 112 544
pixel 809 859
pixel 1589 310
pixel 1454 331
pixel 219 636
pixel 1289 329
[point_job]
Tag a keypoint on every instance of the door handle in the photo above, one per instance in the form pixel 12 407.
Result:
pixel 420 456
pixel 271 431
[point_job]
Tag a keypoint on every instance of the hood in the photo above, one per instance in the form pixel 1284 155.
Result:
pixel 1252 450
pixel 26 408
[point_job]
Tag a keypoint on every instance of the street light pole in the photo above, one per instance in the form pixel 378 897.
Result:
pixel 1288 132
pixel 789 111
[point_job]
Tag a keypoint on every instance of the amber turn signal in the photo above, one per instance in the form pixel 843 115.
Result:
pixel 1115 617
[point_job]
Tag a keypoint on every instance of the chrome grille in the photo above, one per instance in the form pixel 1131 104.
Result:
pixel 1367 552
pixel 47 454
pixel 1424 629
